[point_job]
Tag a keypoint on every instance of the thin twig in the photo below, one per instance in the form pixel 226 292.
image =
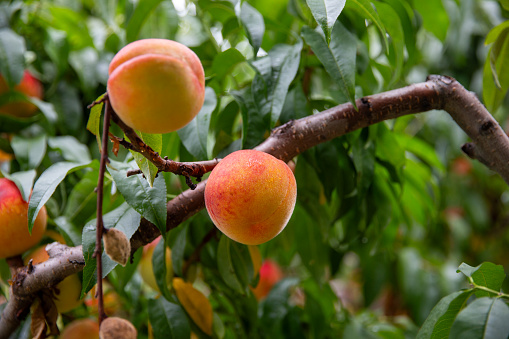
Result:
pixel 100 224
pixel 187 169
pixel 97 102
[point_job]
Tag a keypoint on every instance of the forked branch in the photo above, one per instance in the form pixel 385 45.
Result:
pixel 489 144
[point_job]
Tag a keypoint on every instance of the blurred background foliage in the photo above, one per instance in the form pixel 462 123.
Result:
pixel 384 215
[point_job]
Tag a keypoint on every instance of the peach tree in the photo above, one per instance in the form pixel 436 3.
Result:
pixel 340 211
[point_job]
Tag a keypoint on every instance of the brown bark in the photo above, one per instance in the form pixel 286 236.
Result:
pixel 489 144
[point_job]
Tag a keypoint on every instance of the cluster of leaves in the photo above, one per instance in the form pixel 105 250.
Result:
pixel 384 215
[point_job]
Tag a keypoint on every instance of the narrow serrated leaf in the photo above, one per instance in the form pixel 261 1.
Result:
pixel 439 322
pixel 168 320
pixel 366 10
pixel 235 264
pixel 124 218
pixel 326 12
pixel 140 15
pixel 275 74
pixel 94 120
pixel 484 318
pixel 338 58
pixel 195 134
pixel 253 23
pixel 12 59
pixel 46 185
pixel 150 202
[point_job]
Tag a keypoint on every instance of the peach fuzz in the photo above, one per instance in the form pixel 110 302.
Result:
pixel 29 86
pixel 156 85
pixel 81 329
pixel 14 236
pixel 68 291
pixel 250 196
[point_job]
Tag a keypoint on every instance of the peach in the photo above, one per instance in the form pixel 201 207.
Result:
pixel 14 236
pixel 270 274
pixel 250 196
pixel 68 291
pixel 81 329
pixel 146 269
pixel 29 86
pixel 156 85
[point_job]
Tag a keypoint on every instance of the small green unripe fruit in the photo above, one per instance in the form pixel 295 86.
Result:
pixel 250 196
pixel 156 85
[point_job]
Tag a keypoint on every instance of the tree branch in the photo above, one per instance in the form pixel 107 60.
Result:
pixel 187 169
pixel 489 142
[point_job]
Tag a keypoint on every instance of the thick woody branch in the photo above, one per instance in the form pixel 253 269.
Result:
pixel 437 93
pixel 489 144
pixel 28 280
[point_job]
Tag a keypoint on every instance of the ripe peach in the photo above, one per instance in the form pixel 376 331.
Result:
pixel 14 236
pixel 270 274
pixel 250 196
pixel 145 267
pixel 156 85
pixel 68 291
pixel 29 86
pixel 81 329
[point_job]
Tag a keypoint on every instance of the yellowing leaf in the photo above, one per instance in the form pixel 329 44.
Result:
pixel 256 258
pixel 195 303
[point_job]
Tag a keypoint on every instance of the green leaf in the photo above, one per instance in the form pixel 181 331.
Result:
pixel 46 185
pixel 168 319
pixel 140 15
pixel 195 134
pixel 434 17
pixel 46 108
pixel 159 267
pixel 82 201
pixel 366 10
pixel 70 232
pixel 421 149
pixel 24 181
pixel 484 318
pixel 393 25
pixel 253 23
pixel 72 150
pixel 150 202
pixel 326 12
pixel 275 307
pixel 439 322
pixel 495 32
pixel 178 248
pixel 496 72
pixel 124 218
pixel 155 141
pixel 505 4
pixel 94 120
pixel 225 61
pixel 313 251
pixel 12 59
pixel 11 124
pixel 338 57
pixel 487 274
pixel 235 265
pixel 275 74
pixel 253 125
pixel 29 151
